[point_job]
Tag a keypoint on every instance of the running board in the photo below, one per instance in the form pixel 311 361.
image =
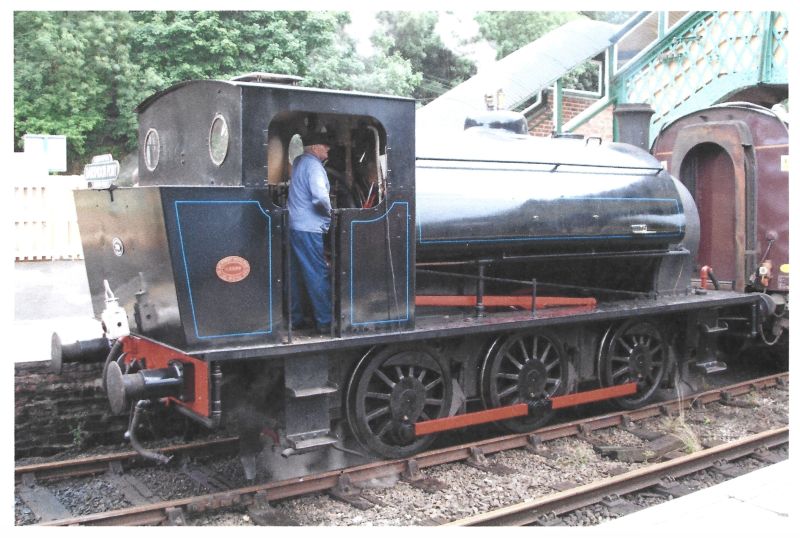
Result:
pixel 303 445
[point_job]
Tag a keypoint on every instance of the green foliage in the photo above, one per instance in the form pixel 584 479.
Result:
pixel 81 74
pixel 412 36
pixel 74 76
pixel 511 30
pixel 184 45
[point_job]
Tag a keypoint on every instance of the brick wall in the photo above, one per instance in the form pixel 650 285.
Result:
pixel 54 413
pixel 541 124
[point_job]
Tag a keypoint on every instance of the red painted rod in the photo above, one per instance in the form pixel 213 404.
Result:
pixel 470 419
pixel 520 301
pixel 578 398
pixel 436 425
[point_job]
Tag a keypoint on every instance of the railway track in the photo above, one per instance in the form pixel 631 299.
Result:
pixel 537 510
pixel 344 484
pixel 116 462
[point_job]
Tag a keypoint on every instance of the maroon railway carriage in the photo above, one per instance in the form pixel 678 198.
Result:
pixel 733 158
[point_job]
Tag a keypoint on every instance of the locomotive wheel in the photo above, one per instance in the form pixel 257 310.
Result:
pixel 522 367
pixel 391 390
pixel 635 352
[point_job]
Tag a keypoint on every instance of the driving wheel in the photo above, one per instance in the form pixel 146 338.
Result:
pixel 634 352
pixel 392 389
pixel 524 367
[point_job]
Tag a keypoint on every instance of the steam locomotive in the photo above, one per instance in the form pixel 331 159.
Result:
pixel 491 277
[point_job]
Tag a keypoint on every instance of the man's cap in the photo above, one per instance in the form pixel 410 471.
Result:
pixel 316 138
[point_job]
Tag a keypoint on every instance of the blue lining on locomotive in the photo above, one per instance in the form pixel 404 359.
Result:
pixel 186 264
pixel 352 261
pixel 563 237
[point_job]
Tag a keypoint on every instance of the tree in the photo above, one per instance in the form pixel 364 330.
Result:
pixel 81 74
pixel 73 75
pixel 413 37
pixel 512 30
pixel 188 45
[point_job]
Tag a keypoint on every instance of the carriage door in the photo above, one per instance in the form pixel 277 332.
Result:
pixel 718 171
pixel 708 173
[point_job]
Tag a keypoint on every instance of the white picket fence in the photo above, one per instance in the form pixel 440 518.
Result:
pixel 45 221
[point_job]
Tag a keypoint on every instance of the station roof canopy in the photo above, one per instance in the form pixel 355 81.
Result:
pixel 521 74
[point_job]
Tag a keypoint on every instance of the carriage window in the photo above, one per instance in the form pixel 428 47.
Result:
pixel 218 140
pixel 151 149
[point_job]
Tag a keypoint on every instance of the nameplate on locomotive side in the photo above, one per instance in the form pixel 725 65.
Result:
pixel 233 269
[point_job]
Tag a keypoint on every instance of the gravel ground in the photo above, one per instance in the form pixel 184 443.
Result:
pixel 563 463
pixel 88 496
pixel 23 514
pixel 568 462
pixel 168 482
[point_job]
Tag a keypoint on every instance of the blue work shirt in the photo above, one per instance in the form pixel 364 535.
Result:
pixel 308 194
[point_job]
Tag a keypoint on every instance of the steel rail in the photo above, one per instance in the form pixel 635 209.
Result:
pixel 99 464
pixel 55 470
pixel 528 512
pixel 156 513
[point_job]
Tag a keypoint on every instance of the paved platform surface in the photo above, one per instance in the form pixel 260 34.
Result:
pixel 761 503
pixel 50 296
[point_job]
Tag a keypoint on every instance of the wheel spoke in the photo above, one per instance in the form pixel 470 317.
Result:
pixel 513 360
pixel 616 374
pixel 377 413
pixel 433 401
pixel 624 344
pixel 384 429
pixel 624 359
pixel 399 372
pixel 546 351
pixel 433 383
pixel 507 391
pixel 385 379
pixel 512 377
pixel 524 351
pixel 422 375
pixel 552 365
pixel 378 395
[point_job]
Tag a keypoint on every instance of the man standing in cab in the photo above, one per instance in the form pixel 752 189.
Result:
pixel 309 220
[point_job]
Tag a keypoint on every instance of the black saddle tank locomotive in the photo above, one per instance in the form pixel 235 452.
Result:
pixel 487 270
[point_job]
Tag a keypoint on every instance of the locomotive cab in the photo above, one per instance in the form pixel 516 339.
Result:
pixel 204 235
